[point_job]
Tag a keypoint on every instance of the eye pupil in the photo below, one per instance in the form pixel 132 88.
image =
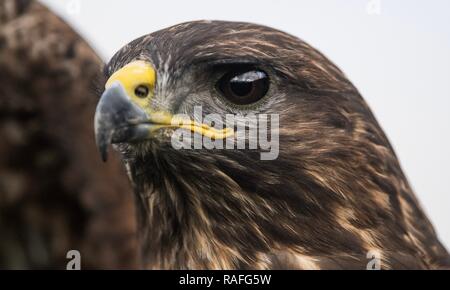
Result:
pixel 244 86
pixel 142 91
pixel 240 88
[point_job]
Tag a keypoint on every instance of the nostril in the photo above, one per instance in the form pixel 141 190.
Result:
pixel 141 91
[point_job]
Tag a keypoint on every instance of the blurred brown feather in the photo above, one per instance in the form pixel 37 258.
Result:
pixel 55 193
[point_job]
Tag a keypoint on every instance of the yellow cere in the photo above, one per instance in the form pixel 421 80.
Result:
pixel 139 73
pixel 133 75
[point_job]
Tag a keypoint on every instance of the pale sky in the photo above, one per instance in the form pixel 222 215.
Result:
pixel 397 53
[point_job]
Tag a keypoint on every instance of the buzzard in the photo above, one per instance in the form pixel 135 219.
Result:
pixel 335 195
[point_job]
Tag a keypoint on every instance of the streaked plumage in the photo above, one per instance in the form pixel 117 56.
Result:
pixel 335 192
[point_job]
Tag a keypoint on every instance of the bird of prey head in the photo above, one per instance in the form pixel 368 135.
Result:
pixel 333 197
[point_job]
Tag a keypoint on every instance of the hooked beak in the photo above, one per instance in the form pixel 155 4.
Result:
pixel 117 119
pixel 121 116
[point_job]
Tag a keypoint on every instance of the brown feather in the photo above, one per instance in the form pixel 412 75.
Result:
pixel 55 193
pixel 335 192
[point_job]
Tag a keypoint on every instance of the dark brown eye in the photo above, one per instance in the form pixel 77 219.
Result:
pixel 244 87
pixel 141 91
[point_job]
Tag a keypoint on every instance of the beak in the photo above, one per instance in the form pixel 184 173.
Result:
pixel 118 119
pixel 121 116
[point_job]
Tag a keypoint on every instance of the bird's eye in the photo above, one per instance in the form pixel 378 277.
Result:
pixel 142 91
pixel 244 87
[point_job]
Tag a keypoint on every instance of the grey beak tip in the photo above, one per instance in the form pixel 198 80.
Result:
pixel 104 155
pixel 103 149
pixel 111 120
pixel 102 142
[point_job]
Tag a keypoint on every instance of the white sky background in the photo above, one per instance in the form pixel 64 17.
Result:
pixel 396 52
